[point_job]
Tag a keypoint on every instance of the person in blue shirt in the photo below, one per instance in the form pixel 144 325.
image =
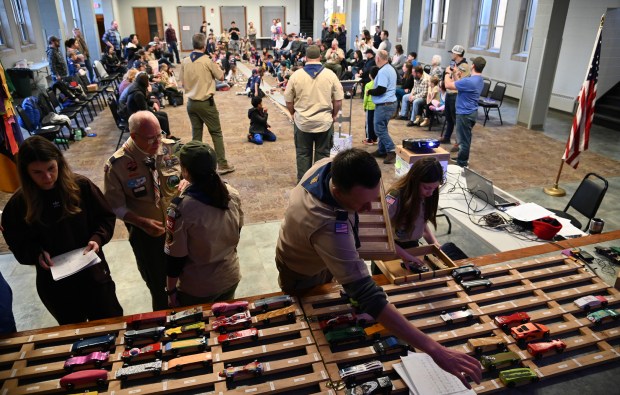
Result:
pixel 384 97
pixel 466 106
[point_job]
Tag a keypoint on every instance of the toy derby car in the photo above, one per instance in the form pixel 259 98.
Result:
pixel 152 349
pixel 253 369
pixel 457 316
pixel 222 308
pixel 84 378
pixel 500 360
pixel 529 332
pixel 102 343
pixel 237 337
pixel 175 347
pixel 153 368
pixel 514 377
pixel 96 358
pixel 539 349
pixel 598 317
pixel 156 317
pixel 345 335
pixel 351 373
pixel 483 344
pixel 235 321
pixel 197 327
pixel 194 359
pixel 380 385
pixel 588 302
pixel 509 321
pixel 287 313
pixel 376 331
pixel 339 321
pixel 153 334
pixel 384 346
pixel 273 302
pixel 468 286
pixel 466 271
pixel 190 315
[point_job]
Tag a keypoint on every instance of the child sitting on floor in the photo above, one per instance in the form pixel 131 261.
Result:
pixel 259 128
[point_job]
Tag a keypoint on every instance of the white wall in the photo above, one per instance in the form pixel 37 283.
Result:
pixel 578 39
pixel 124 13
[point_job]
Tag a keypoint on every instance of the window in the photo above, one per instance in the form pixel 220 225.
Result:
pixel 376 6
pixel 364 15
pixel 437 20
pixel 490 24
pixel 399 26
pixel 528 26
pixel 20 20
pixel 2 39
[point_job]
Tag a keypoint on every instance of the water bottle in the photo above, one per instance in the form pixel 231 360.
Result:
pixel 78 135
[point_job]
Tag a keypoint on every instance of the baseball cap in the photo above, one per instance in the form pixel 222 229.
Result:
pixel 458 50
pixel 198 157
pixel 479 62
pixel 313 52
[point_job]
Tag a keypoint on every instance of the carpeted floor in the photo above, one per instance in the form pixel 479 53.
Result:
pixel 265 174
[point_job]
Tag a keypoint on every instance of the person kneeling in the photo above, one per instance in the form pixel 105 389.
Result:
pixel 259 128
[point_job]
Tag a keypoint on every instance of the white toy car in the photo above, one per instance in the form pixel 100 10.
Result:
pixel 587 302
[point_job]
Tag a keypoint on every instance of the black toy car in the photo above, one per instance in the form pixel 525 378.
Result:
pixel 466 271
pixel 381 385
pixel 101 343
pixel 384 346
pixel 473 284
pixel 153 334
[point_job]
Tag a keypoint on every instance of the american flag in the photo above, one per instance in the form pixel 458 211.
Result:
pixel 580 131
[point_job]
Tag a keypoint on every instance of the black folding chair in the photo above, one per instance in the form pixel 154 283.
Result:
pixel 50 132
pixel 495 101
pixel 120 123
pixel 45 99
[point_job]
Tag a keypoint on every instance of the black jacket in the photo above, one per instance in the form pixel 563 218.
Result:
pixel 136 100
pixel 56 62
pixel 370 63
pixel 258 121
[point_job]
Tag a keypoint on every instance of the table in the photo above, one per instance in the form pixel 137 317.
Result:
pixel 41 69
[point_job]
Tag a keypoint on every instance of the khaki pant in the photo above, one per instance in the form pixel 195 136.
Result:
pixel 205 113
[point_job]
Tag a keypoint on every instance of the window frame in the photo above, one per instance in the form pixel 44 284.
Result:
pixel 5 30
pixel 492 27
pixel 24 29
pixel 441 25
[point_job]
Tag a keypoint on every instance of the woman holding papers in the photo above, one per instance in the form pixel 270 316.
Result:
pixel 54 212
pixel 412 203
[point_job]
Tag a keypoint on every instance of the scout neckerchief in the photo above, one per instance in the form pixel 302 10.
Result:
pixel 318 186
pixel 313 69
pixel 150 162
pixel 196 55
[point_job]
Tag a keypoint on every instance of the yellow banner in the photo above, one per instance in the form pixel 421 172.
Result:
pixel 338 18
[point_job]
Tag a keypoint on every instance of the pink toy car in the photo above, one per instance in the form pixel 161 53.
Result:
pixel 235 321
pixel 151 349
pixel 96 358
pixel 236 337
pixel 223 308
pixel 539 349
pixel 84 378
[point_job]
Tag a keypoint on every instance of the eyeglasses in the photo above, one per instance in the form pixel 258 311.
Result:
pixel 152 140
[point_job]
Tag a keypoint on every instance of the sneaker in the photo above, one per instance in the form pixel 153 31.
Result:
pixel 390 158
pixel 417 120
pixel 425 122
pixel 455 148
pixel 378 154
pixel 221 170
pixel 402 118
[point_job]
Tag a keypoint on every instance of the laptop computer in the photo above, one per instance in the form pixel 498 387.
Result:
pixel 483 189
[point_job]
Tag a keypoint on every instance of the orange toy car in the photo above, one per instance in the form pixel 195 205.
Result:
pixel 528 332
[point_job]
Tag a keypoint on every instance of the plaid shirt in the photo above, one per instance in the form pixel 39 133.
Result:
pixel 420 87
pixel 113 37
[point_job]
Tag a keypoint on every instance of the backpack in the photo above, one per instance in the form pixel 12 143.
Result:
pixel 31 108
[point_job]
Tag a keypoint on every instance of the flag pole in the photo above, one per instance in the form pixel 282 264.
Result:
pixel 555 190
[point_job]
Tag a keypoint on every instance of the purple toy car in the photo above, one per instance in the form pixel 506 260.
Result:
pixel 96 359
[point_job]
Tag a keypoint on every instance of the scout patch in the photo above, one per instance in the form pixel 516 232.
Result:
pixel 136 182
pixel 139 191
pixel 132 165
pixel 341 226
pixel 173 181
pixel 390 200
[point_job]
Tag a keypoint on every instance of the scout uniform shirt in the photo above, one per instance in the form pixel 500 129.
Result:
pixel 129 180
pixel 208 237
pixel 392 200
pixel 316 235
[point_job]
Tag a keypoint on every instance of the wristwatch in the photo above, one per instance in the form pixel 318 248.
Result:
pixel 170 292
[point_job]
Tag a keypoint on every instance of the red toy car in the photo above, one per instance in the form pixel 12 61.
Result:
pixel 539 349
pixel 223 308
pixel 156 317
pixel 151 349
pixel 235 321
pixel 96 358
pixel 528 332
pixel 238 336
pixel 342 320
pixel 508 321
pixel 84 378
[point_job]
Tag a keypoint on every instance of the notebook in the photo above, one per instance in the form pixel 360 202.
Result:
pixel 483 189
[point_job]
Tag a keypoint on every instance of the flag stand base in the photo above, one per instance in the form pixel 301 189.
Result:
pixel 555 191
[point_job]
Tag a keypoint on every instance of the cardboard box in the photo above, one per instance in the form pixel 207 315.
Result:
pixel 434 258
pixel 92 88
pixel 405 159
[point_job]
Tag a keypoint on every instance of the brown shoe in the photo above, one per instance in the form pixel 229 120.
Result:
pixel 417 120
pixel 425 122
pixel 390 158
pixel 455 148
pixel 221 170
pixel 378 154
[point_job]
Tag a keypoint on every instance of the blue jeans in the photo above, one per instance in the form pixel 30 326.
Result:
pixel 464 125
pixel 89 67
pixel 404 105
pixel 382 117
pixel 417 103
pixel 400 92
pixel 173 49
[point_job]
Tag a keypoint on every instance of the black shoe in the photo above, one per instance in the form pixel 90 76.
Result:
pixel 390 158
pixel 378 154
pixel 444 141
pixel 401 118
pixel 171 137
pixel 410 124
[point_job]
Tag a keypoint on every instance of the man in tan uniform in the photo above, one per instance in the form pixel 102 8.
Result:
pixel 319 239
pixel 198 75
pixel 141 178
pixel 313 97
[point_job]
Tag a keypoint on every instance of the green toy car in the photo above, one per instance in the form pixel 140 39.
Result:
pixel 345 335
pixel 514 377
pixel 600 316
pixel 500 360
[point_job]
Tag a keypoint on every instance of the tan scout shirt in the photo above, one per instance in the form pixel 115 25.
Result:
pixel 308 242
pixel 312 99
pixel 198 76
pixel 392 199
pixel 128 182
pixel 208 237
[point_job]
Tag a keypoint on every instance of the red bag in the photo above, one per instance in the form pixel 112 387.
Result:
pixel 547 227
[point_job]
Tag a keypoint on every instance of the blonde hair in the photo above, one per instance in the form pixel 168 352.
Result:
pixel 130 75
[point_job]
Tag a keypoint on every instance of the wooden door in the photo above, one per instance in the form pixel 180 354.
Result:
pixel 141 23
